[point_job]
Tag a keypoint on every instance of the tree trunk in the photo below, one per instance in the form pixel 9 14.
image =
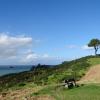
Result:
pixel 96 49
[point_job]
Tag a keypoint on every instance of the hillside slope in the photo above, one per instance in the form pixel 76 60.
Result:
pixel 92 76
pixel 21 85
pixel 43 75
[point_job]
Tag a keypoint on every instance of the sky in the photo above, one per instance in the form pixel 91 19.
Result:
pixel 47 31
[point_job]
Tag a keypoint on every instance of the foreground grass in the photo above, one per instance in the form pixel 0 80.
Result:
pixel 54 92
pixel 88 92
pixel 20 92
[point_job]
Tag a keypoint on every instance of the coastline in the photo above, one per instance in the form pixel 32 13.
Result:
pixel 16 69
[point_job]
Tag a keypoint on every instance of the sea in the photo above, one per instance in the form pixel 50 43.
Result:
pixel 13 69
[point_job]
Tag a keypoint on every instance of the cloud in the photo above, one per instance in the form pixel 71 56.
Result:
pixel 31 57
pixel 19 50
pixel 72 46
pixel 11 46
pixel 14 42
pixel 85 47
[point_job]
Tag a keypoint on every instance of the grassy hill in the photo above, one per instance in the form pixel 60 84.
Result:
pixel 41 82
pixel 42 75
pixel 73 69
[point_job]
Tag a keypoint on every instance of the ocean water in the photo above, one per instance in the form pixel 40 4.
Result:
pixel 18 68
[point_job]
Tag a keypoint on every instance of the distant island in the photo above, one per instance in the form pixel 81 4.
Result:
pixel 11 67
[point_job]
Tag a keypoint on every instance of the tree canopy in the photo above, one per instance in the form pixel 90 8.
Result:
pixel 94 43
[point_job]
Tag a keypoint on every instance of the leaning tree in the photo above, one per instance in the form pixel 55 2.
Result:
pixel 95 43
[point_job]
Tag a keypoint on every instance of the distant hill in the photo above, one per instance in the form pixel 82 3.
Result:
pixel 48 75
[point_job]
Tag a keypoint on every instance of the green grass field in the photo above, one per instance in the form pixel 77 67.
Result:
pixel 87 92
pixel 94 61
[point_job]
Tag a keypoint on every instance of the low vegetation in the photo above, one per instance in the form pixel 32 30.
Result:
pixel 44 74
pixel 44 82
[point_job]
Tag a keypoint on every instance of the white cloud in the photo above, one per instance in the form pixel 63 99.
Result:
pixel 18 50
pixel 14 42
pixel 31 57
pixel 85 47
pixel 11 46
pixel 72 46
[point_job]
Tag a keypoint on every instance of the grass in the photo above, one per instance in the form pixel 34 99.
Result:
pixel 82 93
pixel 94 61
pixel 49 75
pixel 76 68
pixel 20 91
pixel 88 92
pixel 21 86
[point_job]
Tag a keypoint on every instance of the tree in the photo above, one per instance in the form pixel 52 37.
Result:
pixel 95 43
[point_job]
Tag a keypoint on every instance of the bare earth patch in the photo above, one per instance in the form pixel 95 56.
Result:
pixel 22 94
pixel 92 76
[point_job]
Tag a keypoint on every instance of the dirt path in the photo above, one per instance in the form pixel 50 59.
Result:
pixel 92 76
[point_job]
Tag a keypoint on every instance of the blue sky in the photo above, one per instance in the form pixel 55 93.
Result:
pixel 55 30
